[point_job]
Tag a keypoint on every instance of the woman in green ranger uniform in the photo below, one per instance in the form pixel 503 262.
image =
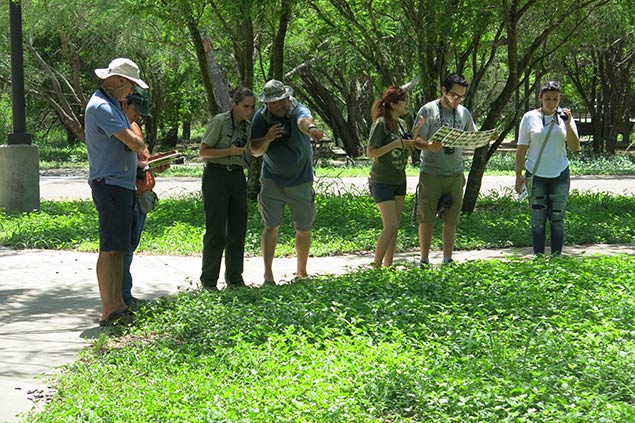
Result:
pixel 225 191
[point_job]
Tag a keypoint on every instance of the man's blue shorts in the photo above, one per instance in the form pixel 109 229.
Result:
pixel 114 205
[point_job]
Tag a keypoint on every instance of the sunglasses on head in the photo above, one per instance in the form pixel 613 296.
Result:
pixel 550 86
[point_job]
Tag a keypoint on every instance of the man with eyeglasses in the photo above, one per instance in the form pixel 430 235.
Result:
pixel 441 178
pixel 112 149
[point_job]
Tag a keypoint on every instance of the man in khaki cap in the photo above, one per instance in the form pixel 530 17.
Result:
pixel 282 132
pixel 112 147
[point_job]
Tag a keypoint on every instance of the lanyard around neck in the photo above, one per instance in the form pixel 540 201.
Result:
pixel 441 114
pixel 554 117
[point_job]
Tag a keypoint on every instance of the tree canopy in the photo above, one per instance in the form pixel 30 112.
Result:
pixel 338 55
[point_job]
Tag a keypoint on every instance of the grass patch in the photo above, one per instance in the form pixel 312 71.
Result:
pixel 346 223
pixel 60 154
pixel 538 340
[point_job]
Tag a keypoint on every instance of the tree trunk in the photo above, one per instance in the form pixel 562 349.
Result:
pixel 171 138
pixel 215 75
pixel 244 52
pixel 323 100
pixel 150 133
pixel 254 165
pixel 213 107
pixel 276 63
pixel 187 129
pixel 57 97
pixel 483 154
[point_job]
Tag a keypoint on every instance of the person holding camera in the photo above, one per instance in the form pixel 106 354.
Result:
pixel 225 190
pixel 389 147
pixel 441 178
pixel 543 138
pixel 135 106
pixel 282 134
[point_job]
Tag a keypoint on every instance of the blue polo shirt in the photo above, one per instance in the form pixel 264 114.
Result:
pixel 289 161
pixel 109 158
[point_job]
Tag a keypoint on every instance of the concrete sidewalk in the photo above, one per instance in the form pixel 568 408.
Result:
pixel 49 304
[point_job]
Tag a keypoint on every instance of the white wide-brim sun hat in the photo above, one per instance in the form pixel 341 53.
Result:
pixel 122 67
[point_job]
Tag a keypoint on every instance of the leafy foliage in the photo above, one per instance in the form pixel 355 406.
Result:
pixel 346 223
pixel 541 340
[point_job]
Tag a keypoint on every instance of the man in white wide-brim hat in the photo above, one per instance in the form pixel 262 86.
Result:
pixel 112 147
pixel 282 132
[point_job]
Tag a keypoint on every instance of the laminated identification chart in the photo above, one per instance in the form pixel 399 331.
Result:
pixel 452 137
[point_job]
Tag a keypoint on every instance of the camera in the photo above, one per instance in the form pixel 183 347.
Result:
pixel 286 129
pixel 240 142
pixel 445 202
pixel 561 114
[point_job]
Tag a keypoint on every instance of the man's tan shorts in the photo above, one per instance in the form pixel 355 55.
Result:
pixel 299 198
pixel 430 190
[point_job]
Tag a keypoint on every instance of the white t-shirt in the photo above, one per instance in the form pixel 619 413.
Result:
pixel 533 131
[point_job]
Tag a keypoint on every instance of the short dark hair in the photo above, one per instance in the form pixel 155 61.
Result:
pixel 238 94
pixel 454 79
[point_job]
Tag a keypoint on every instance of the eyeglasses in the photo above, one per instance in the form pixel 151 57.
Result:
pixel 456 97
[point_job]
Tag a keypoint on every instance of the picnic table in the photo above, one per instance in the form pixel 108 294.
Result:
pixel 325 150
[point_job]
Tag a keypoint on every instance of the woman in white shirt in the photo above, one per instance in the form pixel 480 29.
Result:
pixel 547 162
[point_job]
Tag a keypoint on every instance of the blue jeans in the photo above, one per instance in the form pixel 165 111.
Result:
pixel 138 221
pixel 548 200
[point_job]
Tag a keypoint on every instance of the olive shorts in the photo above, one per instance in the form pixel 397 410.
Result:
pixel 299 198
pixel 430 190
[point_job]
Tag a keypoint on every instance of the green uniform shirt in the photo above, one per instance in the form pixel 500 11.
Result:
pixel 221 132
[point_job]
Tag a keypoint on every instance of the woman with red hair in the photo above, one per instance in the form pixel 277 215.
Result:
pixel 389 146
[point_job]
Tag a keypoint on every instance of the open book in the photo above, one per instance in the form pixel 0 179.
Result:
pixel 452 137
pixel 161 159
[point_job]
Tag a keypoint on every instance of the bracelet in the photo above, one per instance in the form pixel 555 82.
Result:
pixel 308 129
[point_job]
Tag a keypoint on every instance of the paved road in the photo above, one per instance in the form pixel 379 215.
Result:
pixel 76 187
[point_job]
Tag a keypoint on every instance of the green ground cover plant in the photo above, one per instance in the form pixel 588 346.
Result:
pixel 346 223
pixel 60 154
pixel 534 340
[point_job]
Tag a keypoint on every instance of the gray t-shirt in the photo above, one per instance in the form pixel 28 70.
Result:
pixel 445 162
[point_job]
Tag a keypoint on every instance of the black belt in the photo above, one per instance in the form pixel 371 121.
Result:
pixel 227 167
